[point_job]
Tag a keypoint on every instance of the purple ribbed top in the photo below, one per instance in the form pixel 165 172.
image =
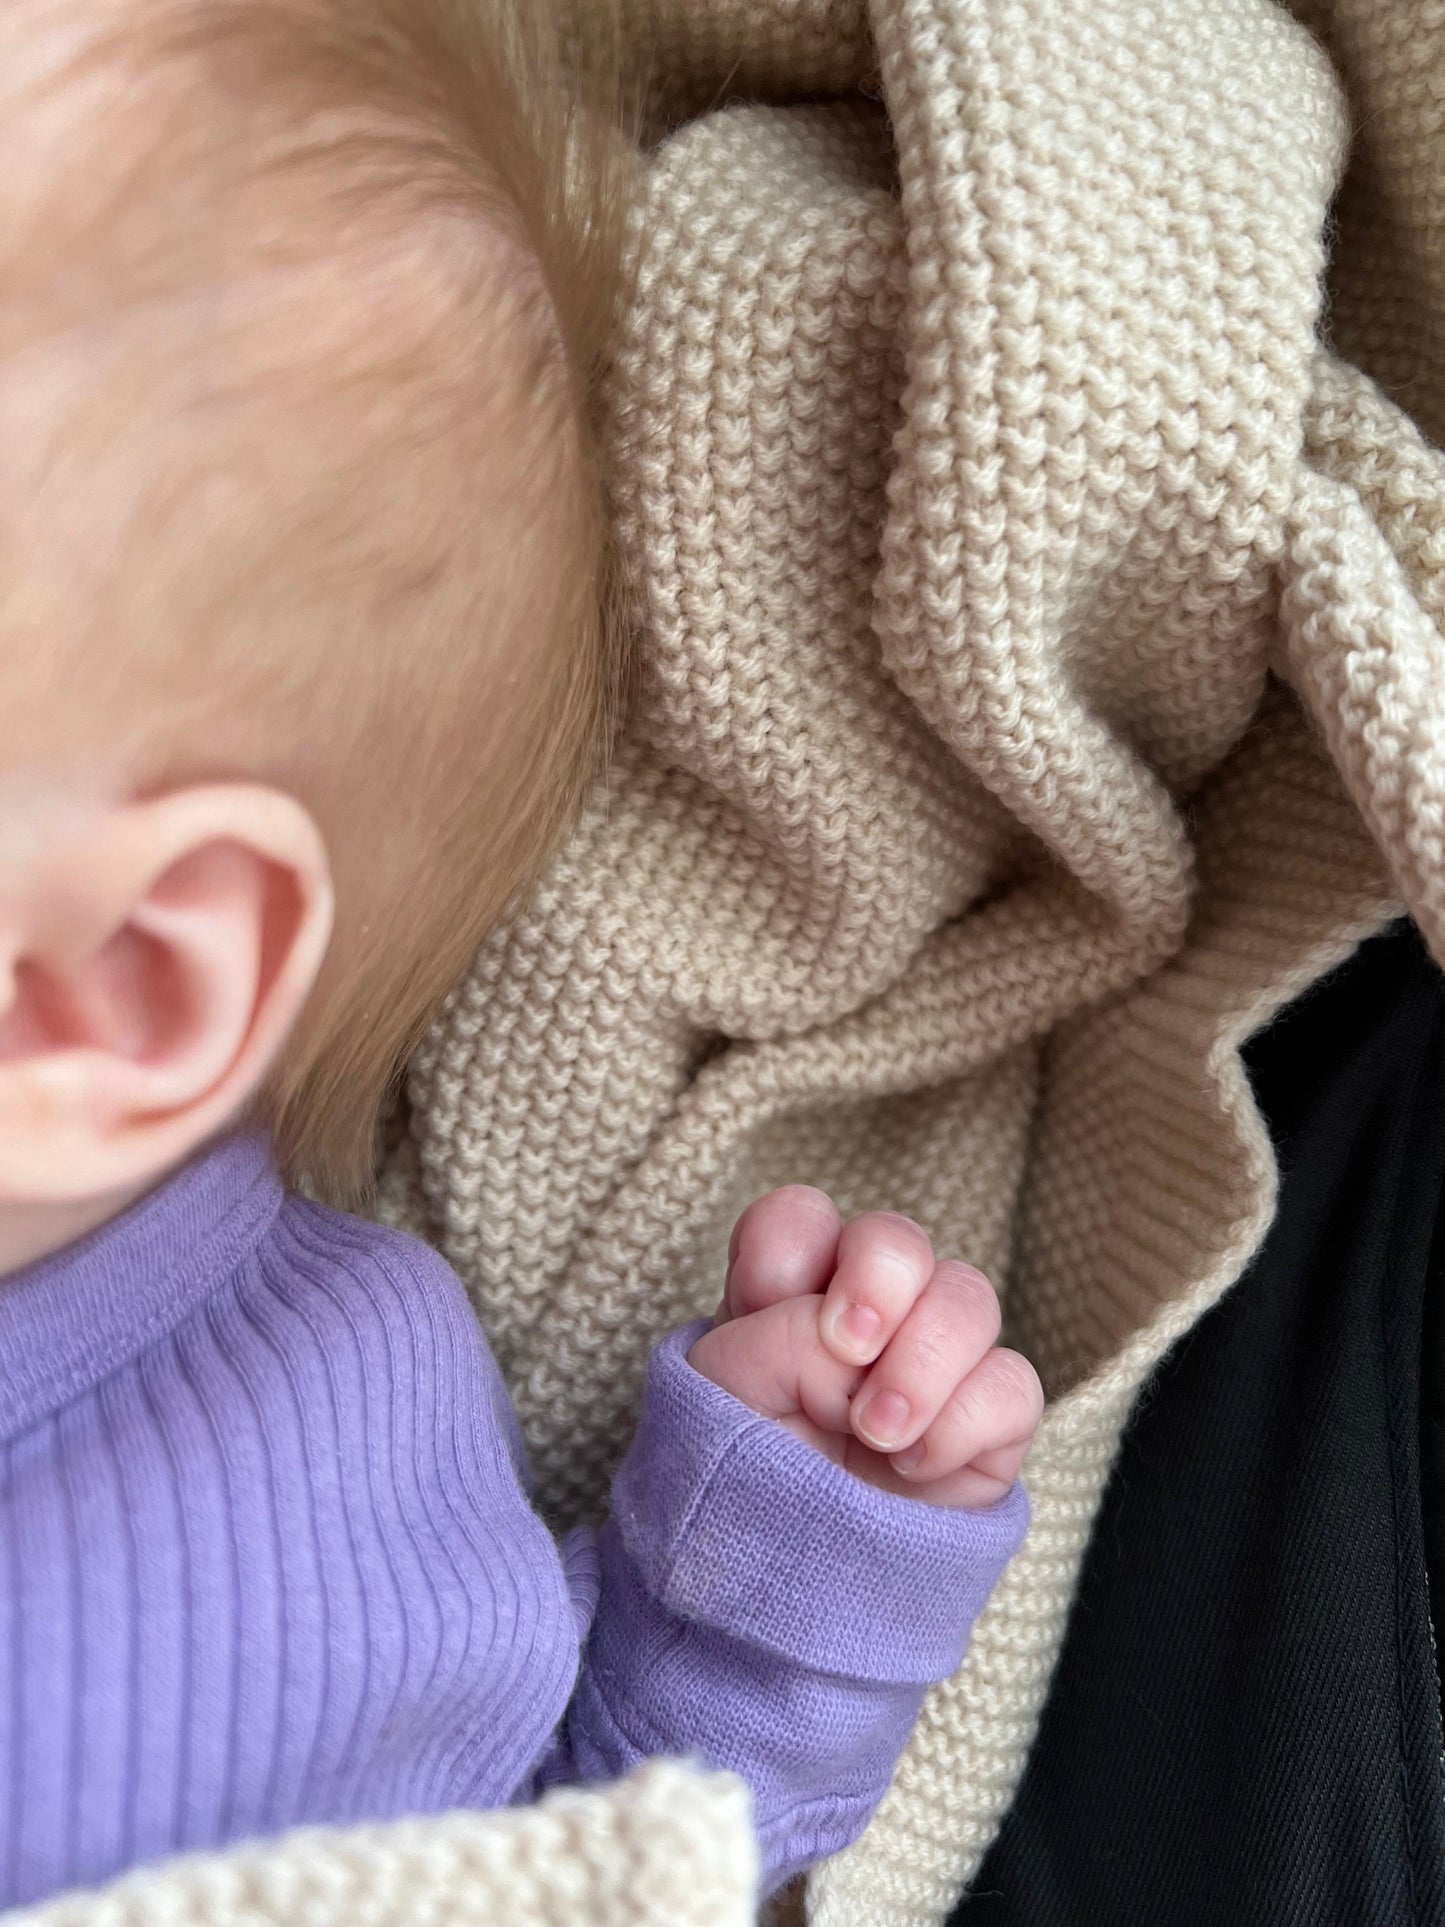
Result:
pixel 266 1557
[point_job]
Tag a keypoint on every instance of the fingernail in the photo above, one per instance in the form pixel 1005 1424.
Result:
pixel 856 1330
pixel 883 1419
pixel 908 1458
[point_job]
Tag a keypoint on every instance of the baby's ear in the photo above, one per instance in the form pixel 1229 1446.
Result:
pixel 151 965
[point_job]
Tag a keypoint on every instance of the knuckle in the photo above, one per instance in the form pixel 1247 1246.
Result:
pixel 897 1221
pixel 773 1267
pixel 797 1209
pixel 783 1239
pixel 886 1237
pixel 971 1295
pixel 807 1197
pixel 1018 1386
pixel 929 1352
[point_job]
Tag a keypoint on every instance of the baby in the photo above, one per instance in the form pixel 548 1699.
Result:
pixel 301 669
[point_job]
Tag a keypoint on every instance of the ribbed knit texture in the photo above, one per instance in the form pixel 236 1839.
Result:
pixel 258 1563
pixel 266 1559
pixel 978 465
pixel 978 458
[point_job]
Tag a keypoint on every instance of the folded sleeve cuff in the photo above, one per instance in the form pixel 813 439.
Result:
pixel 734 1522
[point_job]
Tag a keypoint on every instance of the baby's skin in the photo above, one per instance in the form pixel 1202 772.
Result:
pixel 880 1356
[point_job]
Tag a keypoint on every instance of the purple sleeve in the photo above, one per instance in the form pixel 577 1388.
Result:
pixel 761 1608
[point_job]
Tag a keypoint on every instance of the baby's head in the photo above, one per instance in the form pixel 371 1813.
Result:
pixel 303 557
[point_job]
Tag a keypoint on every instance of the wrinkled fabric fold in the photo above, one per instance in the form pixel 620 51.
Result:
pixel 1034 623
pixel 1005 554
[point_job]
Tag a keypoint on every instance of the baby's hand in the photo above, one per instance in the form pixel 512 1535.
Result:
pixel 857 1340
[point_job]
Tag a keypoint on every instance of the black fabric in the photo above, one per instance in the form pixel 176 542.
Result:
pixel 1245 1723
pixel 1432 1448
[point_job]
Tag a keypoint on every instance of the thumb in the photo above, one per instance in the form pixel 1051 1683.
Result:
pixel 775 1362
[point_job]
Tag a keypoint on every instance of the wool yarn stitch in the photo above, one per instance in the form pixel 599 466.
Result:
pixel 1026 440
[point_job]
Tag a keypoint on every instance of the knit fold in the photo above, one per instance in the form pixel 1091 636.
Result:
pixel 1004 551
pixel 981 484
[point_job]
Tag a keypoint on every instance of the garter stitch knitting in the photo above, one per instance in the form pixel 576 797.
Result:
pixel 1041 607
pixel 983 484
pixel 665 1845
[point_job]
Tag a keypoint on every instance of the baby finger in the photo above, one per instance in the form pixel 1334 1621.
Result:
pixel 783 1246
pixel 944 1336
pixel 988 1424
pixel 884 1262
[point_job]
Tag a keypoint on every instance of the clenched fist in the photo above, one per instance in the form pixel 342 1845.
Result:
pixel 857 1339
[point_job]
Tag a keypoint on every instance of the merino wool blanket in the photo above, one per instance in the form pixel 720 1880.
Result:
pixel 1026 434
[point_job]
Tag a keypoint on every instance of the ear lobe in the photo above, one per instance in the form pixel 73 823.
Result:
pixel 161 959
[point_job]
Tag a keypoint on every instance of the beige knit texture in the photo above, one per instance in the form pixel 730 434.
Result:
pixel 1041 615
pixel 665 1847
pixel 982 483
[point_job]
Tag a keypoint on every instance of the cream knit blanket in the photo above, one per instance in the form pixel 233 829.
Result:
pixel 1041 608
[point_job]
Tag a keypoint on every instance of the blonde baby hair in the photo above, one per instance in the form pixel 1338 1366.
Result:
pixel 299 476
